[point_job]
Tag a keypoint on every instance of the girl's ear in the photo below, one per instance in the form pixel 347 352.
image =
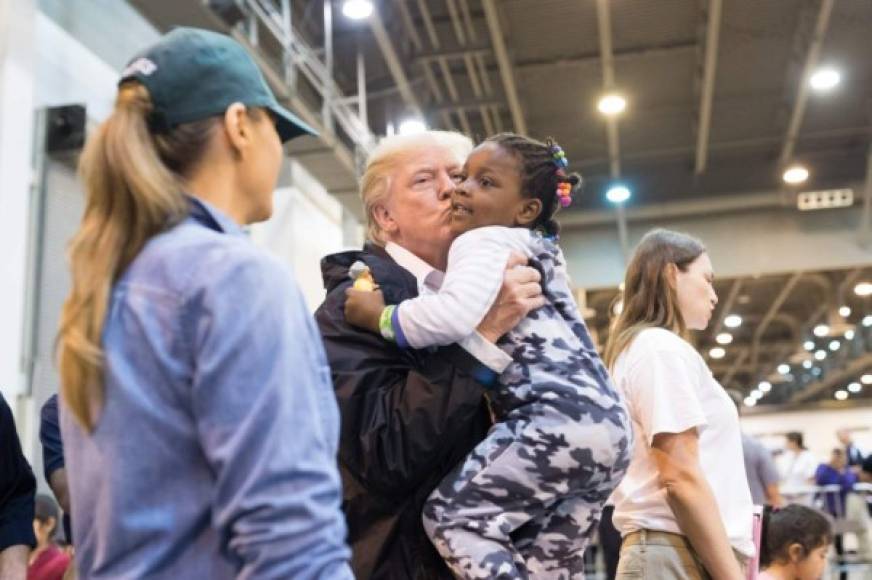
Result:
pixel 671 273
pixel 528 211
pixel 796 553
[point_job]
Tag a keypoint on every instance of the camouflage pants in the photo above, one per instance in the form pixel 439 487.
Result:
pixel 525 502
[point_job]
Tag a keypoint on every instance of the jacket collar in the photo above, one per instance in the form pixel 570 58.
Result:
pixel 211 217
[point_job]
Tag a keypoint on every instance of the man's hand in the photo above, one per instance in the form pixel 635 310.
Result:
pixel 521 293
pixel 364 308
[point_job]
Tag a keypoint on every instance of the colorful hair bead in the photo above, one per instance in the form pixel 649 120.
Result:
pixel 564 193
pixel 559 157
pixel 564 188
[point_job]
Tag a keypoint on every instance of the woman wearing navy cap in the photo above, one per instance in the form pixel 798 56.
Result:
pixel 199 424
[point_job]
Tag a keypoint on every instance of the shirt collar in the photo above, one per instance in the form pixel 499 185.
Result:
pixel 213 218
pixel 424 273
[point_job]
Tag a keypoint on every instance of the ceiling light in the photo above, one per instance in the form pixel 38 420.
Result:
pixel 750 401
pixel 849 334
pixel 412 126
pixel 867 320
pixel 357 9
pixel 724 338
pixel 834 345
pixel 820 354
pixel 756 394
pixel 806 364
pixel 821 330
pixel 863 289
pixel 765 386
pixel 808 345
pixel 611 105
pixel 816 371
pixel 855 387
pixel 866 379
pixel 783 369
pixel 733 321
pixel 845 311
pixel 618 194
pixel 824 79
pixel 795 174
pixel 841 395
pixel 717 352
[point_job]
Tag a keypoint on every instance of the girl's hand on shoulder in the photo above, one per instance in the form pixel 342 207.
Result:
pixel 364 308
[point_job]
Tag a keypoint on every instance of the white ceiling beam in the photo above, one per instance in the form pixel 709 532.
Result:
pixel 506 74
pixel 811 61
pixel 690 207
pixel 406 17
pixel 604 26
pixel 389 53
pixel 865 227
pixel 608 67
pixel 708 85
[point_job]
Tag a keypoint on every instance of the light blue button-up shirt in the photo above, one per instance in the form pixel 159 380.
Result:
pixel 215 453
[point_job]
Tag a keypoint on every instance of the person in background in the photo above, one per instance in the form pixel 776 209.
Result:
pixel 47 561
pixel 797 467
pixel 409 415
pixel 837 473
pixel 53 466
pixel 683 509
pixel 17 488
pixel 759 465
pixel 852 453
pixel 199 427
pixel 794 543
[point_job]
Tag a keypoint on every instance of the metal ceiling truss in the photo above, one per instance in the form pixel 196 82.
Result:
pixel 298 57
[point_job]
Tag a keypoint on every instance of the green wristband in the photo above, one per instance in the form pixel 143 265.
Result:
pixel 385 324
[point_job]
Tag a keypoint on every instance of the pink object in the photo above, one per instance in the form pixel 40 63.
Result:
pixel 756 529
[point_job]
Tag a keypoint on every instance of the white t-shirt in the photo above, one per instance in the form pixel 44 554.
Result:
pixel 797 472
pixel 669 389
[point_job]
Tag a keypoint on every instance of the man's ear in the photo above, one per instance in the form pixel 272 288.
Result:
pixel 528 211
pixel 384 219
pixel 238 128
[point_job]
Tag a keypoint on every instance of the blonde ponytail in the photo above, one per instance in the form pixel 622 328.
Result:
pixel 134 186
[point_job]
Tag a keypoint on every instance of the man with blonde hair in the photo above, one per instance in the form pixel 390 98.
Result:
pixel 409 416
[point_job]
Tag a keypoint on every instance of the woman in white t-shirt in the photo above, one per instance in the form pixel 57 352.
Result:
pixel 797 466
pixel 683 509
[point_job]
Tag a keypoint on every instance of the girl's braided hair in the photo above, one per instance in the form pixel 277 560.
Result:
pixel 539 175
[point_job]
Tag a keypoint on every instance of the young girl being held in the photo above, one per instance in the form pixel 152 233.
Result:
pixel 527 499
pixel 795 543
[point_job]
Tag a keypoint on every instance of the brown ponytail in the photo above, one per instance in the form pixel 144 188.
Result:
pixel 134 185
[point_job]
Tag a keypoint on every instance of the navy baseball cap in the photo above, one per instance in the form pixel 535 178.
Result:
pixel 192 74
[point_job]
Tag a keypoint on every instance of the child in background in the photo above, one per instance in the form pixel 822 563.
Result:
pixel 47 561
pixel 527 499
pixel 795 543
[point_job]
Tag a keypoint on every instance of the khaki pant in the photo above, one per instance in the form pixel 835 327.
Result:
pixel 654 555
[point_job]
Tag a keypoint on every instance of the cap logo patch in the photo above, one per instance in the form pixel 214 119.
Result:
pixel 143 66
